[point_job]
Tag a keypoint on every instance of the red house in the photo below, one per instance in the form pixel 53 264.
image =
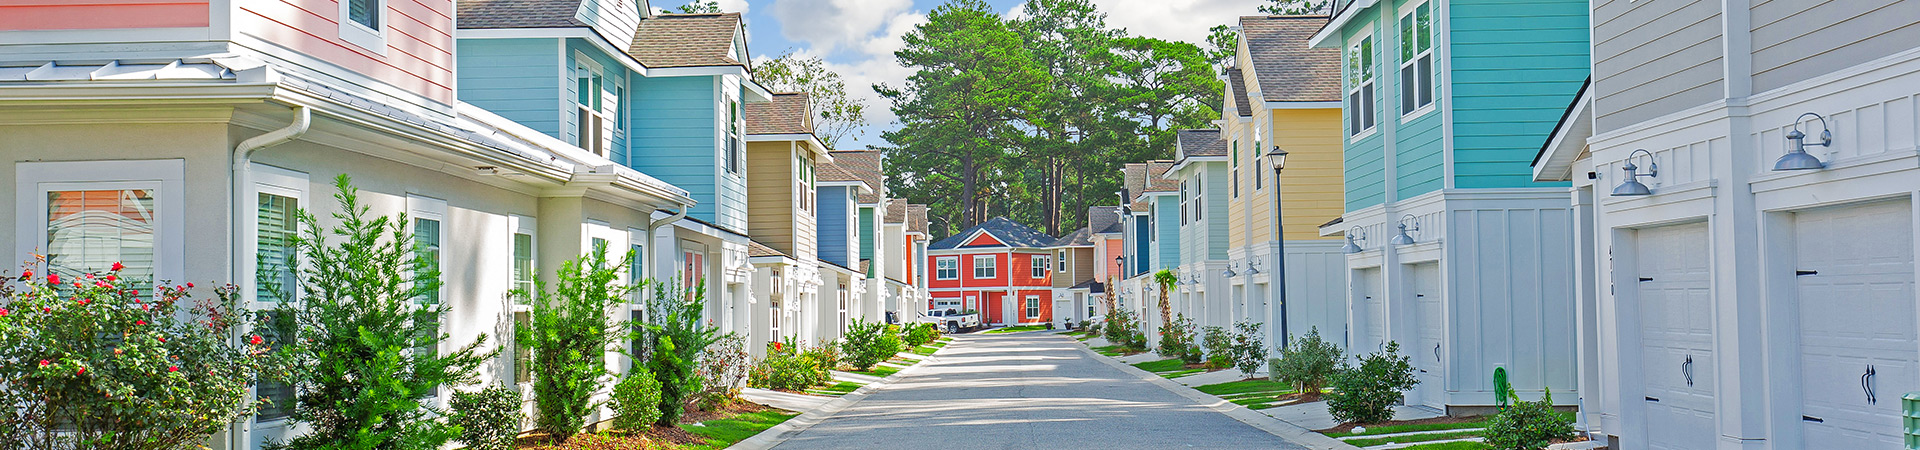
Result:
pixel 999 268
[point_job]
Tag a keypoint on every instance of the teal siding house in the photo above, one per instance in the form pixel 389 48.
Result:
pixel 1463 261
pixel 663 94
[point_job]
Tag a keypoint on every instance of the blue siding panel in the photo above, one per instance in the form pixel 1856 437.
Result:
pixel 1516 66
pixel 519 79
pixel 674 137
pixel 1167 207
pixel 1418 156
pixel 834 224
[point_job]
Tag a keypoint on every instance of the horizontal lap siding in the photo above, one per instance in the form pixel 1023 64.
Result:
pixel 519 79
pixel 1515 66
pixel 419 44
pixel 1366 172
pixel 615 74
pixel 673 136
pixel 93 15
pixel 1168 226
pixel 1654 58
pixel 770 212
pixel 1214 230
pixel 1312 191
pixel 836 242
pixel 1794 40
pixel 1366 161
pixel 1417 156
pixel 615 20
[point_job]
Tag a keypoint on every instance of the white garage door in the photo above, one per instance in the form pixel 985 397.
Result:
pixel 1429 319
pixel 1676 336
pixel 1371 312
pixel 1857 340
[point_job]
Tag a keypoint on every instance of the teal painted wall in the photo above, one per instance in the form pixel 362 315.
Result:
pixel 1166 211
pixel 1516 66
pixel 1366 161
pixel 673 123
pixel 866 237
pixel 519 79
pixel 1418 151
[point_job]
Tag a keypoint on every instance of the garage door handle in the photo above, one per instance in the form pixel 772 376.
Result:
pixel 1866 384
pixel 1653 399
pixel 1436 352
pixel 1812 419
pixel 1646 278
pixel 1686 370
pixel 1802 273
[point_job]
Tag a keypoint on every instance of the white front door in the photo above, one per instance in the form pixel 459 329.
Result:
pixel 1676 336
pixel 1371 312
pixel 1857 341
pixel 1429 318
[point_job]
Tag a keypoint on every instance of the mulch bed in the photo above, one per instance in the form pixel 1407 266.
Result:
pixel 655 438
pixel 1349 426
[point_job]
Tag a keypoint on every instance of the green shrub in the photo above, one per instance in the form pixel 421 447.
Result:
pixel 1177 341
pixel 1308 364
pixel 677 337
pixel 569 335
pixel 1248 348
pixel 636 401
pixel 826 356
pixel 921 334
pixel 1219 346
pixel 106 367
pixel 368 304
pixel 1118 327
pixel 489 419
pixel 868 343
pixel 1366 393
pixel 788 367
pixel 723 370
pixel 1527 425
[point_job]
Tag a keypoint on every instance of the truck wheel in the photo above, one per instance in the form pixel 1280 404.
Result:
pixel 953 327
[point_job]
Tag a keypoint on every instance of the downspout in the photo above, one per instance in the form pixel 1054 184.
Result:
pixel 302 120
pixel 654 226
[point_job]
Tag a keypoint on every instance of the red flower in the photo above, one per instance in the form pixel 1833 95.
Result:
pixel 173 368
pixel 162 339
pixel 3 312
pixel 44 363
pixel 117 267
pixel 99 284
pixel 53 278
pixel 82 371
pixel 112 278
pixel 26 274
pixel 83 302
pixel 139 322
pixel 189 285
pixel 255 340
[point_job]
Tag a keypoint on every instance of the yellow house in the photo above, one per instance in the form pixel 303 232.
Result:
pixel 1283 99
pixel 781 217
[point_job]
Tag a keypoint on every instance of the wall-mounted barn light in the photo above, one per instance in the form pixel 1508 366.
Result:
pixel 1632 186
pixel 1798 158
pixel 1403 238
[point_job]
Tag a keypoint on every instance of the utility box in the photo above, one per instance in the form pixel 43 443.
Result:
pixel 1910 418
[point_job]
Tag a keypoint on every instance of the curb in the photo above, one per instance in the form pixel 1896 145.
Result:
pixel 1284 430
pixel 792 427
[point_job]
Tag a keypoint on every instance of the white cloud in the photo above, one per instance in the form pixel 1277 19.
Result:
pixel 827 25
pixel 739 6
pixel 1178 20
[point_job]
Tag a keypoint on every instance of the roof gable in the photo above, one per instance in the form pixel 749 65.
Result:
pixel 1003 231
pixel 786 114
pixel 984 239
pixel 1284 67
pixel 688 40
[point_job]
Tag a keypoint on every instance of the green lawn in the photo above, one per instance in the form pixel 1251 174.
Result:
pixel 1182 373
pixel 1109 350
pixel 1017 329
pixel 838 389
pixel 878 370
pixel 1390 429
pixel 1369 442
pixel 1245 387
pixel 721 433
pixel 1450 446
pixel 1164 365
pixel 939 344
pixel 925 350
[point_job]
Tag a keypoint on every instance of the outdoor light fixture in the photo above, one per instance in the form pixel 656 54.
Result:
pixel 1253 267
pixel 1277 158
pixel 1403 238
pixel 1354 237
pixel 1632 186
pixel 1228 273
pixel 1798 158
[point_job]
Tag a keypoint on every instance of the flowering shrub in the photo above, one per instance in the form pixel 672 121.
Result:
pixel 1121 329
pixel 110 367
pixel 569 336
pixel 489 419
pixel 789 367
pixel 636 400
pixel 1219 345
pixel 723 370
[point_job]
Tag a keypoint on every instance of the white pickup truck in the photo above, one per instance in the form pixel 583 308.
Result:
pixel 951 320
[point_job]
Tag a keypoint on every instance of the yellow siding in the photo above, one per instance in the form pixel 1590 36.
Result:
pixel 1312 190
pixel 770 197
pixel 1238 135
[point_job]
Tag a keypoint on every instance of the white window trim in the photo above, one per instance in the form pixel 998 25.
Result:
pixel 167 177
pixel 1032 304
pixel 1433 75
pixel 992 265
pixel 422 207
pixel 1039 263
pixel 276 181
pixel 1371 84
pixel 956 267
pixel 360 35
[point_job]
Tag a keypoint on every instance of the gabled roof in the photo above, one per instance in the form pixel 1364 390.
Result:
pixel 1001 228
pixel 757 249
pixel 478 14
pixel 1104 219
pixel 686 40
pixel 1135 177
pixel 1237 92
pixel 1157 180
pixel 917 219
pixel 1191 143
pixel 856 165
pixel 786 114
pixel 1286 68
pixel 896 211
pixel 1078 238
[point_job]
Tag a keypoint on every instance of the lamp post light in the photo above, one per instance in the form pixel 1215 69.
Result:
pixel 1277 159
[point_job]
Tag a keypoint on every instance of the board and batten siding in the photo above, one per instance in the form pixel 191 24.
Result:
pixel 1511 295
pixel 515 78
pixel 419 40
pixel 1515 66
pixel 674 136
pixel 1316 290
pixel 1653 58
pixel 770 205
pixel 1312 187
pixel 95 15
pixel 1798 40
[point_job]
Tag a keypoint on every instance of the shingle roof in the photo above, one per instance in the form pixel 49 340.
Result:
pixel 1006 230
pixel 1103 219
pixel 478 14
pixel 896 211
pixel 1238 84
pixel 917 219
pixel 1287 69
pixel 757 249
pixel 1135 177
pixel 1200 143
pixel 1156 177
pixel 857 165
pixel 1078 238
pixel 786 114
pixel 686 40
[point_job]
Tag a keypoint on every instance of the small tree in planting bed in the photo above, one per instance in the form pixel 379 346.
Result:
pixel 1308 364
pixel 868 343
pixel 87 361
pixel 367 367
pixel 1366 393
pixel 1177 341
pixel 1249 349
pixel 676 338
pixel 569 335
pixel 1219 345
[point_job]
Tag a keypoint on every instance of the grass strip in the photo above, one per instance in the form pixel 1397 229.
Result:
pixel 878 371
pixel 1164 365
pixel 1461 445
pixel 1369 442
pixel 1109 350
pixel 1390 429
pixel 925 350
pixel 1182 373
pixel 1017 329
pixel 837 389
pixel 1245 387
pixel 721 433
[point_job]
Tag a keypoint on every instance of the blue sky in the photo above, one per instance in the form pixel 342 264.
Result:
pixel 857 37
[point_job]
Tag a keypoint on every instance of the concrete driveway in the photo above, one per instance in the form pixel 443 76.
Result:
pixel 1026 391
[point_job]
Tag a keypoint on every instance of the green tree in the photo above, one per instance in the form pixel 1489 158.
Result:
pixel 366 368
pixel 699 7
pixel 570 334
pixel 838 116
pixel 1222 44
pixel 1295 7
pixel 676 338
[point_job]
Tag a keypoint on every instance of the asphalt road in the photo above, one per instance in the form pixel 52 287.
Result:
pixel 1026 391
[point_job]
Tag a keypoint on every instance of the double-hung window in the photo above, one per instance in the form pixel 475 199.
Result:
pixel 1360 95
pixel 947 268
pixel 86 216
pixel 1416 59
pixel 595 104
pixel 523 273
pixel 1033 306
pixel 733 137
pixel 278 195
pixel 1040 266
pixel 985 267
pixel 637 304
pixel 1235 162
pixel 1062 262
pixel 428 214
